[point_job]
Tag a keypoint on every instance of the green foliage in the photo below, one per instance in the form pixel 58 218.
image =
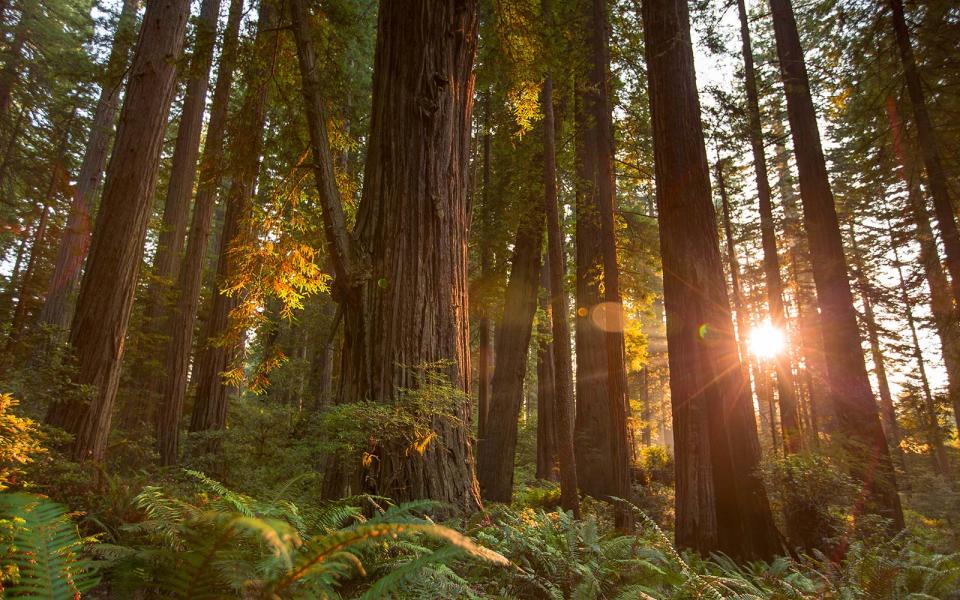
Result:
pixel 40 544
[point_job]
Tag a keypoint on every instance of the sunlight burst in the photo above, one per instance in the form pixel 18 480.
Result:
pixel 766 341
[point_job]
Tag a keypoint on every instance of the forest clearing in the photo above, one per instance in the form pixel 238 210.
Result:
pixel 519 299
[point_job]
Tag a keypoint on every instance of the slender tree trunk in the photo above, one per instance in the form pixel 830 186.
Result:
pixel 563 407
pixel 182 320
pixel 485 334
pixel 406 312
pixel 546 390
pixel 934 435
pixel 721 503
pixel 20 312
pixel 11 68
pixel 888 413
pixel 106 294
pixel 75 240
pixel 945 317
pixel 497 449
pixel 857 418
pixel 733 265
pixel 789 411
pixel 220 350
pixel 176 211
pixel 929 151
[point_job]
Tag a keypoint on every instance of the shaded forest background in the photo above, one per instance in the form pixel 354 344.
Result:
pixel 563 298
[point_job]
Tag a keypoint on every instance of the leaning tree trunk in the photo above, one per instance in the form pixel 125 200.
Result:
pixel 106 294
pixel 220 348
pixel 888 413
pixel 721 503
pixel 497 448
pixel 789 410
pixel 182 320
pixel 929 151
pixel 856 411
pixel 405 312
pixel 75 240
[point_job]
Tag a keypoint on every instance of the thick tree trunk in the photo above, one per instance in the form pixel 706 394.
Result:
pixel 220 350
pixel 563 407
pixel 75 240
pixel 929 151
pixel 856 410
pixel 546 392
pixel 406 312
pixel 789 411
pixel 182 320
pixel 106 294
pixel 721 504
pixel 888 413
pixel 497 449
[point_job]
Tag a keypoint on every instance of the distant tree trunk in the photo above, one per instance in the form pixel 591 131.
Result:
pixel 176 211
pixel 182 320
pixel 856 410
pixel 941 463
pixel 106 294
pixel 497 449
pixel 546 392
pixel 936 178
pixel 485 334
pixel 20 312
pixel 563 407
pixel 407 311
pixel 888 413
pixel 219 350
pixel 75 240
pixel 945 316
pixel 721 503
pixel 789 410
pixel 602 408
pixel 733 265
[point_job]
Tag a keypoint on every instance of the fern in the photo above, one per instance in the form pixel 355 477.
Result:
pixel 46 550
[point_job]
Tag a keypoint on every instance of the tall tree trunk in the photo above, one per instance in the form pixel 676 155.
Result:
pixel 546 391
pixel 20 312
pixel 497 449
pixel 929 151
pixel 182 320
pixel 789 411
pixel 176 211
pixel 75 240
pixel 11 68
pixel 602 407
pixel 733 265
pixel 945 317
pixel 486 330
pixel 857 418
pixel 721 503
pixel 106 294
pixel 220 350
pixel 929 409
pixel 407 311
pixel 888 413
pixel 563 407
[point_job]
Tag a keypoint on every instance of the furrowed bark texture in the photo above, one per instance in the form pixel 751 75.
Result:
pixel 75 240
pixel 182 319
pixel 106 294
pixel 721 503
pixel 408 311
pixel 856 410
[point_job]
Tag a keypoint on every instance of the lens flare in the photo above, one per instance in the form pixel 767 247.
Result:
pixel 766 341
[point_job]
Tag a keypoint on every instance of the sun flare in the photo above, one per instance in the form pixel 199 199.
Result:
pixel 766 341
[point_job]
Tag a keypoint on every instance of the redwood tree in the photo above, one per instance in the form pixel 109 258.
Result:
pixel 721 503
pixel 106 294
pixel 857 418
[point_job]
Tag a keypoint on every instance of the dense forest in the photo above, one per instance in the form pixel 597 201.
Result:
pixel 535 299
